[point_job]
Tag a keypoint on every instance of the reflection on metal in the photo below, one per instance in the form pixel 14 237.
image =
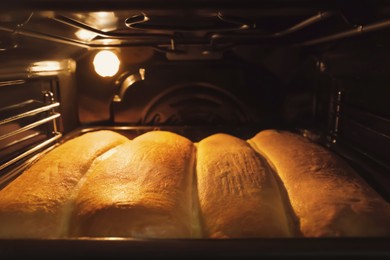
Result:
pixel 31 151
pixel 48 98
pixel 48 68
pixel 30 126
pixel 128 82
pixel 304 24
pixel 338 112
pixel 7 43
pixel 335 114
pixel 29 113
pixel 43 36
pixel 12 82
pixel 256 36
pixel 196 103
pixel 85 35
pixel 102 31
pixel 20 140
pixel 354 32
pixel 240 23
pixel 71 22
pixel 45 66
pixel 131 21
pixel 173 46
pixel 226 23
pixel 105 20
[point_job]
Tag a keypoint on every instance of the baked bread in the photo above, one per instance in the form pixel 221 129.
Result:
pixel 328 196
pixel 143 190
pixel 238 194
pixel 34 204
pixel 101 184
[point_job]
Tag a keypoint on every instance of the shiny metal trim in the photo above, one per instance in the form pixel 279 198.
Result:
pixel 30 126
pixel 30 113
pixel 31 151
pixel 354 32
pixel 12 82
pixel 127 83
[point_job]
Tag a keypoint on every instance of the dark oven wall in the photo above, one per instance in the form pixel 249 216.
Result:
pixel 356 71
pixel 233 89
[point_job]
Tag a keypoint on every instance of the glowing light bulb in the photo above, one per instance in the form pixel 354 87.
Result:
pixel 106 63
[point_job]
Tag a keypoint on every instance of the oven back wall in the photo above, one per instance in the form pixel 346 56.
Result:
pixel 232 90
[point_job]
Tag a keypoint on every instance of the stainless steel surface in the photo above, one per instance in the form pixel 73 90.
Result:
pixel 29 127
pixel 12 82
pixel 360 29
pixel 29 113
pixel 36 148
pixel 127 83
pixel 252 37
pixel 44 36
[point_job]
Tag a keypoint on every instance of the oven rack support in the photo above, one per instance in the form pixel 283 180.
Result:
pixel 29 128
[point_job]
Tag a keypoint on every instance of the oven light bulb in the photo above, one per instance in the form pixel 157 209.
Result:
pixel 106 63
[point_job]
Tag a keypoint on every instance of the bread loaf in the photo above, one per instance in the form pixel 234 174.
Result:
pixel 277 184
pixel 328 197
pixel 142 190
pixel 238 194
pixel 33 205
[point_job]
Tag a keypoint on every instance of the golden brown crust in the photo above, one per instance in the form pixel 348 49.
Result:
pixel 143 189
pixel 111 186
pixel 328 196
pixel 33 204
pixel 238 195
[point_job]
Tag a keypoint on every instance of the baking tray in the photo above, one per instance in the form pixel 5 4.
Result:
pixel 126 248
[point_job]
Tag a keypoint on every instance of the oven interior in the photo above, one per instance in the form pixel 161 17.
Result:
pixel 319 69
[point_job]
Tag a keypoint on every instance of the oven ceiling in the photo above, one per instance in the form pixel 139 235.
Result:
pixel 167 25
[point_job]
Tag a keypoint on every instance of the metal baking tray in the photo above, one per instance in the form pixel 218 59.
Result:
pixel 127 248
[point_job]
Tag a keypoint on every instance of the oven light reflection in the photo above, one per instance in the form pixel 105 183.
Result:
pixel 42 66
pixel 85 35
pixel 50 67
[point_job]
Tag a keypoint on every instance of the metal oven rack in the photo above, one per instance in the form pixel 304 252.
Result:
pixel 28 126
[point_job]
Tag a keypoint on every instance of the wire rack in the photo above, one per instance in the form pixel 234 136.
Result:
pixel 26 129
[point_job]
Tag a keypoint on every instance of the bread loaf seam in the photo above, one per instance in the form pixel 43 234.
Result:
pixel 149 195
pixel 328 196
pixel 197 226
pixel 238 195
pixel 37 210
pixel 293 220
pixel 70 206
